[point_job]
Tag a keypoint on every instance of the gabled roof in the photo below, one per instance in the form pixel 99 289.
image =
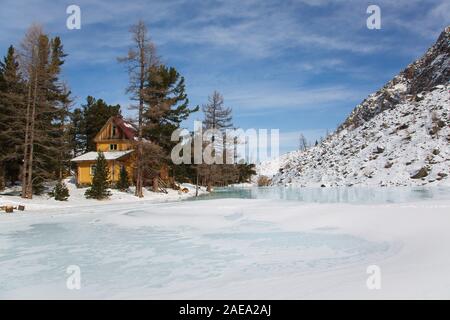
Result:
pixel 128 129
pixel 110 155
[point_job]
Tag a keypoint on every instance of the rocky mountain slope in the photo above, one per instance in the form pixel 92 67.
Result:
pixel 399 135
pixel 421 76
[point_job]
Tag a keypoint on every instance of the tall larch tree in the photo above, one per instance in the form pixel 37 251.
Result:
pixel 46 99
pixel 139 60
pixel 218 117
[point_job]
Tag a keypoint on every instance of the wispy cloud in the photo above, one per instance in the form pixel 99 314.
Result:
pixel 277 98
pixel 265 56
pixel 256 29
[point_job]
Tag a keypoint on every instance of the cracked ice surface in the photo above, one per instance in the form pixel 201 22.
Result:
pixel 227 248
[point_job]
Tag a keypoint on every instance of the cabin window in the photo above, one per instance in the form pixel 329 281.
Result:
pixel 113 129
pixel 92 169
pixel 113 146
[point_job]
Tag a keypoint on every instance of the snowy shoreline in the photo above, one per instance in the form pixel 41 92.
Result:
pixel 78 199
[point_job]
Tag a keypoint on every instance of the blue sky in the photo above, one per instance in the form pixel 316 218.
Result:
pixel 297 66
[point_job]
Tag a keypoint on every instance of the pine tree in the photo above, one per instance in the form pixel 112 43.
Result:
pixel 87 121
pixel 60 191
pixel 77 133
pixel 246 171
pixel 100 182
pixel 11 117
pixel 166 106
pixel 124 182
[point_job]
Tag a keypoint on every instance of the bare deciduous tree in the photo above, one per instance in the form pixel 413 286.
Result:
pixel 303 143
pixel 218 117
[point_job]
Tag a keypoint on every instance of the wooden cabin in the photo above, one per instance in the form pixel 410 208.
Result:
pixel 116 140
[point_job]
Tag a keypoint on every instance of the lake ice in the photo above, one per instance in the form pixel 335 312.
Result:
pixel 249 248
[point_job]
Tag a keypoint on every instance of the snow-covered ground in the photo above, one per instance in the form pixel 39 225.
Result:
pixel 77 197
pixel 227 248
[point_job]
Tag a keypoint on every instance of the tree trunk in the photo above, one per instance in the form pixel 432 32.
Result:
pixel 155 184
pixel 196 184
pixel 139 183
pixel 2 177
pixel 26 144
pixel 29 185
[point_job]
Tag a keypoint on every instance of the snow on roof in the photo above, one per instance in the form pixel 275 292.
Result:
pixel 92 156
pixel 126 124
pixel 128 129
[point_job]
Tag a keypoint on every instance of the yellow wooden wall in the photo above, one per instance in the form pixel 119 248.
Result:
pixel 105 138
pixel 84 170
pixel 103 142
pixel 121 145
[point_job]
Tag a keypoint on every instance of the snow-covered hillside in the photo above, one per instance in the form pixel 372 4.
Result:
pixel 270 167
pixel 399 135
pixel 432 69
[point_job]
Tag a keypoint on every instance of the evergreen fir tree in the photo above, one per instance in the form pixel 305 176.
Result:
pixel 168 105
pixel 60 192
pixel 124 182
pixel 246 171
pixel 95 114
pixel 11 111
pixel 100 182
pixel 88 121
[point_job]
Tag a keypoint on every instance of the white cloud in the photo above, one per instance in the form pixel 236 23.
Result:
pixel 277 98
pixel 254 28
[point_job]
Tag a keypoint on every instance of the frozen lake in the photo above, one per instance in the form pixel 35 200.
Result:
pixel 116 259
pixel 209 249
pixel 356 195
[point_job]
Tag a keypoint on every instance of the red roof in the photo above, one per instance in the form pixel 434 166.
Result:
pixel 128 129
